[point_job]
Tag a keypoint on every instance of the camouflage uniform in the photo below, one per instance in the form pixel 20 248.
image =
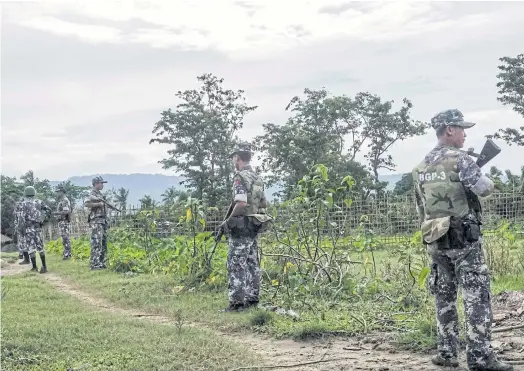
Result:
pixel 19 237
pixel 242 260
pixel 30 227
pixel 99 225
pixel 63 212
pixel 447 184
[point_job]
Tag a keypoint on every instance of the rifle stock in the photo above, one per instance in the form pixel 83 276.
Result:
pixel 488 153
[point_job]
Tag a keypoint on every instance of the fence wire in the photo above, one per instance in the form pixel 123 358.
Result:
pixel 390 217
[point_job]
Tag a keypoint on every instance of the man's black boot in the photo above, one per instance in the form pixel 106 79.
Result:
pixel 26 258
pixel 33 261
pixel 234 308
pixel 44 266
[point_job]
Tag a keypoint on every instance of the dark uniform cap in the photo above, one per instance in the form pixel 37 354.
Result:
pixel 98 179
pixel 450 117
pixel 242 147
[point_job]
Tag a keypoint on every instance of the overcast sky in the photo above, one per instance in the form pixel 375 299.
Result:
pixel 84 82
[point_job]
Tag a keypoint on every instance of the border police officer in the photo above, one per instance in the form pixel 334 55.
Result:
pixel 447 186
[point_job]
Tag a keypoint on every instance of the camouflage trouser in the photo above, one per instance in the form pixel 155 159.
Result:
pixel 465 267
pixel 20 245
pixel 98 245
pixel 243 270
pixel 65 230
pixel 33 241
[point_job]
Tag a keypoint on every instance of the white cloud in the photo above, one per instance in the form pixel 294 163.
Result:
pixel 95 112
pixel 89 33
pixel 248 29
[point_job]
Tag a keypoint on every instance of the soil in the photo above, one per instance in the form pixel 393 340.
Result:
pixel 374 352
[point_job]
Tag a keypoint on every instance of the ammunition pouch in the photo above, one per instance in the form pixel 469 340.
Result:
pixel 238 226
pixel 259 222
pixel 248 225
pixel 461 232
pixel 471 231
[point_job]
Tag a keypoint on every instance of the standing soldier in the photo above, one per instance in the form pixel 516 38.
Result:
pixel 30 224
pixel 63 214
pixel 243 225
pixel 18 236
pixel 99 224
pixel 447 186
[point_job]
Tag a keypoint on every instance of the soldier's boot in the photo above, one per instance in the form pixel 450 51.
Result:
pixel 251 303
pixel 26 258
pixel 493 365
pixel 33 261
pixel 234 308
pixel 44 265
pixel 440 360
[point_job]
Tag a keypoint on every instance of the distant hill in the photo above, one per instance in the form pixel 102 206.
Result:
pixel 155 184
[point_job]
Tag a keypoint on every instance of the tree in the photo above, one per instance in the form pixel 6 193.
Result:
pixel 11 192
pixel 404 185
pixel 202 132
pixel 120 196
pixel 512 183
pixel 315 134
pixel 43 188
pixel 511 91
pixel 331 131
pixel 381 128
pixel 146 202
pixel 172 195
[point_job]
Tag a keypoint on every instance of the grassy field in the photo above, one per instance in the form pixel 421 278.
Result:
pixel 381 296
pixel 43 329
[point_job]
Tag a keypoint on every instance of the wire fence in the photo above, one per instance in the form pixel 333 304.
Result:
pixel 390 217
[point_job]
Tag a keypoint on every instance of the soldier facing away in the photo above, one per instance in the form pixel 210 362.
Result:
pixel 243 225
pixel 63 214
pixel 447 186
pixel 99 224
pixel 30 224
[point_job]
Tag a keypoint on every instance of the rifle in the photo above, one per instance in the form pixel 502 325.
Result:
pixel 218 235
pixel 109 205
pixel 488 152
pixel 101 199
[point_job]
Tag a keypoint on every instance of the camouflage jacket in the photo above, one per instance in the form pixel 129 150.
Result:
pixel 63 210
pixel 30 215
pixel 446 183
pixel 97 214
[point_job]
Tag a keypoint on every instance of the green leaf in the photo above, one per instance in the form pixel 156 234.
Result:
pixel 422 276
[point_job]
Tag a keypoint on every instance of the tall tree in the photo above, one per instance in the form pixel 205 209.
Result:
pixel 511 93
pixel 381 128
pixel 120 196
pixel 202 132
pixel 315 134
pixel 43 187
pixel 146 202
pixel 173 194
pixel 331 131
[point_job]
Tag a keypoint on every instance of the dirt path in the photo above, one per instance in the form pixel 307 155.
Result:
pixel 370 353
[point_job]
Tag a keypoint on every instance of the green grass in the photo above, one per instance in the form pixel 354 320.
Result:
pixel 43 329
